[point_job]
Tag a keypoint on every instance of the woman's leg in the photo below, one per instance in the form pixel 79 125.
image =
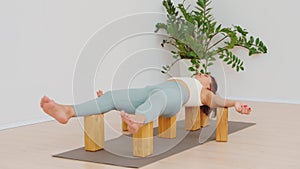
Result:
pixel 62 113
pixel 153 106
pixel 124 99
pixel 148 103
pixel 101 104
pixel 166 101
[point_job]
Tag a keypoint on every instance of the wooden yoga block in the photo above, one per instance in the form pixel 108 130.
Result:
pixel 143 141
pixel 124 126
pixel 204 119
pixel 94 132
pixel 222 125
pixel 192 118
pixel 167 127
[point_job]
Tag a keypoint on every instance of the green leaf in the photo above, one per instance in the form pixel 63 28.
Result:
pixel 218 28
pixel 251 40
pixel 252 51
pixel 233 41
pixel 160 26
pixel 186 15
pixel 234 58
pixel 257 41
pixel 191 54
pixel 233 65
pixel 241 30
pixel 191 69
pixel 175 56
pixel 200 3
pixel 193 61
pixel 169 6
pixel 210 64
pixel 265 50
pixel 212 59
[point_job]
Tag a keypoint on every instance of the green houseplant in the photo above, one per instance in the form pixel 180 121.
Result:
pixel 197 37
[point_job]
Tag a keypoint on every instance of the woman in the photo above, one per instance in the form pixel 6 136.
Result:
pixel 146 104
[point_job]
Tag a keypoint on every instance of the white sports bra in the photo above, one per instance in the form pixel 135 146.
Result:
pixel 194 89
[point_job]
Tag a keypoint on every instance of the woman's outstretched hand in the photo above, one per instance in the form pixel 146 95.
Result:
pixel 242 108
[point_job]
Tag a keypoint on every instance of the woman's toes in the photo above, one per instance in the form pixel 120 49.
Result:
pixel 46 99
pixel 122 113
pixel 131 130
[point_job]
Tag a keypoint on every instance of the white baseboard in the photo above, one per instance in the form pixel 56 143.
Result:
pixel 24 123
pixel 289 101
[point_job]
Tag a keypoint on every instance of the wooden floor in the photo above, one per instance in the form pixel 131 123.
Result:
pixel 273 143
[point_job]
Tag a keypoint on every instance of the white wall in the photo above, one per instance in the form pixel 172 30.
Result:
pixel 272 77
pixel 40 45
pixel 41 41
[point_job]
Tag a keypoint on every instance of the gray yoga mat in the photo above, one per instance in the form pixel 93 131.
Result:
pixel 118 151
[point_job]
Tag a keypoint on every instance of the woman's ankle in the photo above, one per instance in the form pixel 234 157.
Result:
pixel 70 111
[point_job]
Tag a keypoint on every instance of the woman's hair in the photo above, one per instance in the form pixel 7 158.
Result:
pixel 213 87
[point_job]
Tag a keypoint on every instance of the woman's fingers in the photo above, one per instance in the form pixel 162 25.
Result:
pixel 238 107
pixel 242 108
pixel 246 110
pixel 245 107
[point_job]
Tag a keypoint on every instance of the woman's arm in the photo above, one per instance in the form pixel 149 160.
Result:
pixel 210 99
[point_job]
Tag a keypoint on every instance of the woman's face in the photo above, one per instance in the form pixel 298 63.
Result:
pixel 204 79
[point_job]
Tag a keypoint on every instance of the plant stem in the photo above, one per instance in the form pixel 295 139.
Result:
pixel 218 42
pixel 175 62
pixel 245 46
pixel 212 38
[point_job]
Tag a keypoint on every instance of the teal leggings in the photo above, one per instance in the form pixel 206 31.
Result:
pixel 164 99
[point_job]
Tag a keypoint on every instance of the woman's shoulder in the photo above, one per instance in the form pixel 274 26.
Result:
pixel 205 96
pixel 184 77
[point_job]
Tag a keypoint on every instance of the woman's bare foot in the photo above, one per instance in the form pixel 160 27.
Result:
pixel 61 113
pixel 134 122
